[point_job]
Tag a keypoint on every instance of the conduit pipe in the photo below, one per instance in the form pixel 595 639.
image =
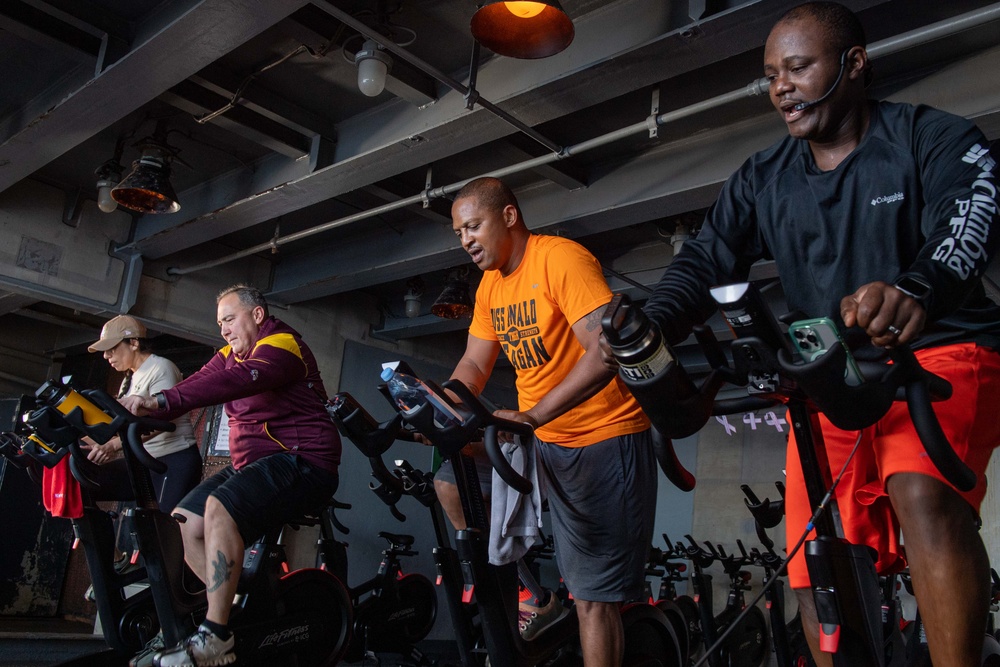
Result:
pixel 884 47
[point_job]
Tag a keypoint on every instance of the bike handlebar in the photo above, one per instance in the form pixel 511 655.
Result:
pixel 93 414
pixel 492 427
pixel 774 377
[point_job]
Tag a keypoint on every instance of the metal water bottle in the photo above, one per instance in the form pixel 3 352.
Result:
pixel 65 400
pixel 635 341
pixel 651 372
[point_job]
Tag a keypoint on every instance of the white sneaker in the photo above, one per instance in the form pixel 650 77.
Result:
pixel 202 649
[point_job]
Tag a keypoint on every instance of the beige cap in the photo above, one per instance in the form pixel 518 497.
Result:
pixel 117 330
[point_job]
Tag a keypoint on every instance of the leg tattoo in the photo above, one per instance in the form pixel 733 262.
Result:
pixel 223 571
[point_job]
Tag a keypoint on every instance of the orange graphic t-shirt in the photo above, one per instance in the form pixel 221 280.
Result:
pixel 531 313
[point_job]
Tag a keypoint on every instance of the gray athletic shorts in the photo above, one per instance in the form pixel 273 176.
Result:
pixel 602 501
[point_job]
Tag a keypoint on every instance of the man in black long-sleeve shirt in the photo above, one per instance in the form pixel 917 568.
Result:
pixel 881 216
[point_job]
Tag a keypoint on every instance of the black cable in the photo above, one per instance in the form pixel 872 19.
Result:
pixel 784 564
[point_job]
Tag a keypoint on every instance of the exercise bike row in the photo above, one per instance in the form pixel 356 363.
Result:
pixel 494 587
pixel 307 616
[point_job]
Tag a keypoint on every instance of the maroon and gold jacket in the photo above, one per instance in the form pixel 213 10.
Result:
pixel 274 398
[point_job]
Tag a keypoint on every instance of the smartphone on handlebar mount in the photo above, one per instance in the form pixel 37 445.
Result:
pixel 815 337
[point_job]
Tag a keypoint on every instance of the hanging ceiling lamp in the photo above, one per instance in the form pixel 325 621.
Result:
pixel 523 29
pixel 147 188
pixel 454 302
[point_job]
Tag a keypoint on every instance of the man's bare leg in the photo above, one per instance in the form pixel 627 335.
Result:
pixel 193 536
pixel 223 560
pixel 810 626
pixel 602 637
pixel 948 565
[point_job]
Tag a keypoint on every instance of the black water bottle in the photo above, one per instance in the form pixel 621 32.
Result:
pixel 635 341
pixel 348 413
pixel 650 370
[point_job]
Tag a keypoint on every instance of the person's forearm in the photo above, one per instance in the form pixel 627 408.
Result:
pixel 587 378
pixel 470 375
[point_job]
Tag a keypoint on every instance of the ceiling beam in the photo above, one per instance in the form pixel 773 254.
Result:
pixel 50 32
pixel 11 301
pixel 197 101
pixel 565 173
pixel 263 101
pixel 669 180
pixel 175 50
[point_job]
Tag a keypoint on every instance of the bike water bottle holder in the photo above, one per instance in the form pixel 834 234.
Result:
pixel 51 436
pixel 371 443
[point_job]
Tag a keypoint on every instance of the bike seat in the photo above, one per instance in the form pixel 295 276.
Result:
pixel 399 540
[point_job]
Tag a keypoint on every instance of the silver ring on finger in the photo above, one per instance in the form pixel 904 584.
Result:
pixel 893 330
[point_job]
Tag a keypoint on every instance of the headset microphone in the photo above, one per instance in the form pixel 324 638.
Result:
pixel 802 106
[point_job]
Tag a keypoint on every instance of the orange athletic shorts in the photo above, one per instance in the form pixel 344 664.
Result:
pixel 970 421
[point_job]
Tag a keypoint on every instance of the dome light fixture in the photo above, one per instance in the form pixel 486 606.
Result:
pixel 415 290
pixel 374 65
pixel 108 175
pixel 527 30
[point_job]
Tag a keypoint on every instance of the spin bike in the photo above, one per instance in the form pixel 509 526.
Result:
pixel 649 638
pixel 788 640
pixel 373 439
pixel 681 610
pixel 300 618
pixel 392 611
pixel 845 585
pixel 746 642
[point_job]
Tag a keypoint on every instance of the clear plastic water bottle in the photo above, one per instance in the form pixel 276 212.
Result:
pixel 410 393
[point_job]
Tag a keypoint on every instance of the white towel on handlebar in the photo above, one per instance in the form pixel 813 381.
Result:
pixel 515 518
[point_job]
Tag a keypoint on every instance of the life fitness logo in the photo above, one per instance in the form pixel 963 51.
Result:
pixel 299 633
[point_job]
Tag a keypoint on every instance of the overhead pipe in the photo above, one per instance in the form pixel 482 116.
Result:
pixel 758 87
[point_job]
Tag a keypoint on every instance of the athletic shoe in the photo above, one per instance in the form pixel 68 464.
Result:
pixel 202 649
pixel 533 621
pixel 144 658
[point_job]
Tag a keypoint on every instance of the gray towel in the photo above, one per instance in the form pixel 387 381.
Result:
pixel 516 519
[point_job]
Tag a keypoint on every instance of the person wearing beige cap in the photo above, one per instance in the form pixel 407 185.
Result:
pixel 123 343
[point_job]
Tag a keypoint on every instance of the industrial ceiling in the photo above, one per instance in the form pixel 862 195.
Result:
pixel 620 141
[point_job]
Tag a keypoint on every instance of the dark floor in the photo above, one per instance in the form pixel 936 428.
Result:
pixel 48 642
pixel 30 642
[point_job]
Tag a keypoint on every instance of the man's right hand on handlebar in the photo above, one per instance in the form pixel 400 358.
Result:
pixel 886 314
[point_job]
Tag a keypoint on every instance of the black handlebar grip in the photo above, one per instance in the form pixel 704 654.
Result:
pixel 83 469
pixel 514 480
pixel 730 406
pixel 134 438
pixel 666 456
pixel 938 448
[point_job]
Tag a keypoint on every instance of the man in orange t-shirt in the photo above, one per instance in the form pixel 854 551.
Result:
pixel 541 301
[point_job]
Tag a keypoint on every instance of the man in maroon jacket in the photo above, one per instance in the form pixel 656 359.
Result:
pixel 284 450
